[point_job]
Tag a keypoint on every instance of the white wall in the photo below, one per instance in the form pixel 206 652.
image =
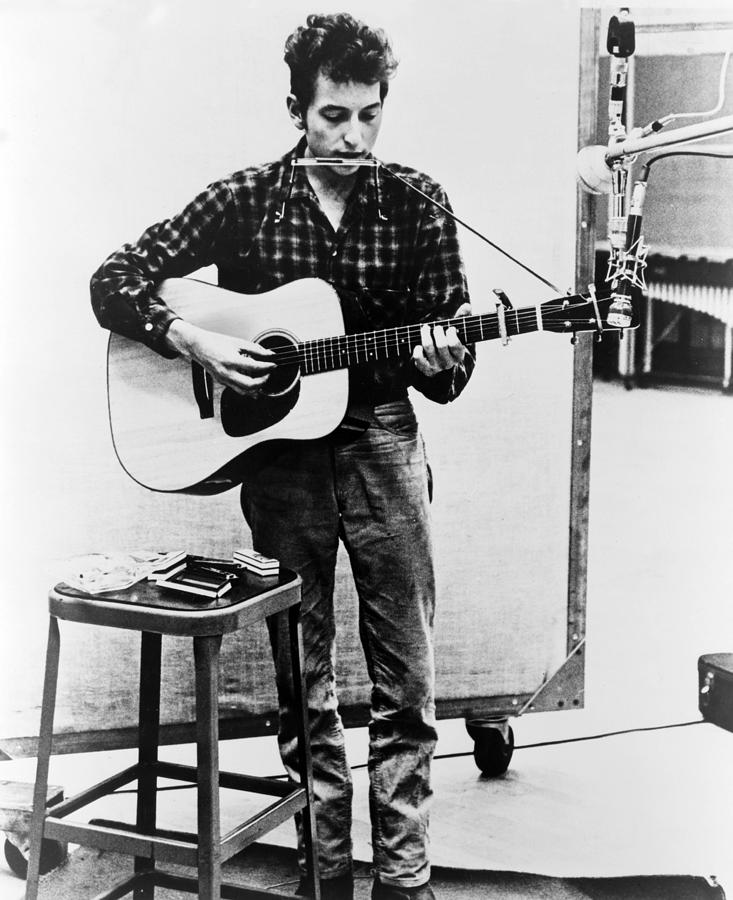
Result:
pixel 113 115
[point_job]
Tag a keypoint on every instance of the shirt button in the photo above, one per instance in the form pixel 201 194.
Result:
pixel 148 326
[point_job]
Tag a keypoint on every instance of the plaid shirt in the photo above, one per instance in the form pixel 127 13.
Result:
pixel 394 260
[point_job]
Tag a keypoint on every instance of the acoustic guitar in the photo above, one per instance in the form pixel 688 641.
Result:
pixel 175 429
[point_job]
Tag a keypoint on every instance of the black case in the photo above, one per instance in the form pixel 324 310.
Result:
pixel 715 688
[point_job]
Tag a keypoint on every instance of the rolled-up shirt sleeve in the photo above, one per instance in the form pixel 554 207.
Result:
pixel 123 289
pixel 440 290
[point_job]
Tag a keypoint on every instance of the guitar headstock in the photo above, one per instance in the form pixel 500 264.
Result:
pixel 581 312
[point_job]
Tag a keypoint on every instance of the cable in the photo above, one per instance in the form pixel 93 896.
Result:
pixel 714 154
pixel 607 734
pixel 572 740
pixel 721 97
pixel 658 124
pixel 478 234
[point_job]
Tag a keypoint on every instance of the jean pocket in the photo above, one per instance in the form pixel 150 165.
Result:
pixel 397 417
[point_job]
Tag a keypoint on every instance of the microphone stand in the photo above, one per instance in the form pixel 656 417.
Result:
pixel 620 43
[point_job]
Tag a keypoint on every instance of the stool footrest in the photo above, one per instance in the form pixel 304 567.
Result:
pixel 126 839
pixel 248 832
pixel 255 784
pixel 95 792
pixel 121 840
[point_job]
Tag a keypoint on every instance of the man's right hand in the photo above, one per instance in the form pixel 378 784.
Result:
pixel 235 363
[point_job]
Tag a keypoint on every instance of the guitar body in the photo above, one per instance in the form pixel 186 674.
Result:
pixel 175 429
pixel 168 437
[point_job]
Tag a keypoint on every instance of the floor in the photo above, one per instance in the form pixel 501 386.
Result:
pixel 659 591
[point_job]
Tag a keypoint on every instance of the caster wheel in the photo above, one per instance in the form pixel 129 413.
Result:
pixel 493 745
pixel 52 854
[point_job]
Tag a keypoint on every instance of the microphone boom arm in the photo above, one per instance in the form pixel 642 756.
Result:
pixel 684 135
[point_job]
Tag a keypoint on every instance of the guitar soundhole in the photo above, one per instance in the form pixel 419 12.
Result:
pixel 286 375
pixel 242 416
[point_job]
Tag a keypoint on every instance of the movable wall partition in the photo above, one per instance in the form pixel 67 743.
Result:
pixel 117 116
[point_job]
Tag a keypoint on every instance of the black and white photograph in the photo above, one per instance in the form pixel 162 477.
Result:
pixel 366 459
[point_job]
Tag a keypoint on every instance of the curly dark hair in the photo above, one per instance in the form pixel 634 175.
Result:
pixel 341 47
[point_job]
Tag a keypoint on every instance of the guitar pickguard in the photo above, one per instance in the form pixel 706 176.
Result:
pixel 241 416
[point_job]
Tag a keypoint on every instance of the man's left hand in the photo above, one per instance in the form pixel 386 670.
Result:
pixel 441 348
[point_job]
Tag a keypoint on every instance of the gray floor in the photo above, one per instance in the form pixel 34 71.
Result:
pixel 660 583
pixel 272 868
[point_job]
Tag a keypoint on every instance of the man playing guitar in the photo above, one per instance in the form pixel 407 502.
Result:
pixel 394 258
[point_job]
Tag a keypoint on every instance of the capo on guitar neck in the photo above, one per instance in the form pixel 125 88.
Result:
pixel 503 303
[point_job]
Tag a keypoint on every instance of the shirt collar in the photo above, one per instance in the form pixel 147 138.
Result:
pixel 294 185
pixel 301 186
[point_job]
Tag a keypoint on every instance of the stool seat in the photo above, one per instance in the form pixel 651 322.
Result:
pixel 153 611
pixel 146 607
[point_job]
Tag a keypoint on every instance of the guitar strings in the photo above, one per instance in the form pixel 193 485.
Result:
pixel 393 339
pixel 374 344
pixel 473 324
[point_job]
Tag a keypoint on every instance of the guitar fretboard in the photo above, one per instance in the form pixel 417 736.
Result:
pixel 327 354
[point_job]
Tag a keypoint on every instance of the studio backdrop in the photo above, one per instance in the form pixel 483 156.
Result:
pixel 113 117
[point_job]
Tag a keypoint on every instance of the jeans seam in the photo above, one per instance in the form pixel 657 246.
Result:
pixel 378 837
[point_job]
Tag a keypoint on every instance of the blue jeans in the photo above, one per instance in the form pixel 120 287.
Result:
pixel 372 493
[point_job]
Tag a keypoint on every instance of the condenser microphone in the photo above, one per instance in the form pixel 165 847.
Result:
pixel 630 265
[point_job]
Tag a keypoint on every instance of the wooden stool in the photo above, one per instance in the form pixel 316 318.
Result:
pixel 154 612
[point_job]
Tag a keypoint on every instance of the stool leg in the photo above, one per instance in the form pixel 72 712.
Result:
pixel 206 655
pixel 149 721
pixel 45 742
pixel 304 749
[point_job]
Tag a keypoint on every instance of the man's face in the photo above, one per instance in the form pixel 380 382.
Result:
pixel 343 120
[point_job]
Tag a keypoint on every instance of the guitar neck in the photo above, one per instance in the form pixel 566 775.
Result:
pixel 327 354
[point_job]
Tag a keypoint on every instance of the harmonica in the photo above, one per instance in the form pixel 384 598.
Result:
pixel 333 161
